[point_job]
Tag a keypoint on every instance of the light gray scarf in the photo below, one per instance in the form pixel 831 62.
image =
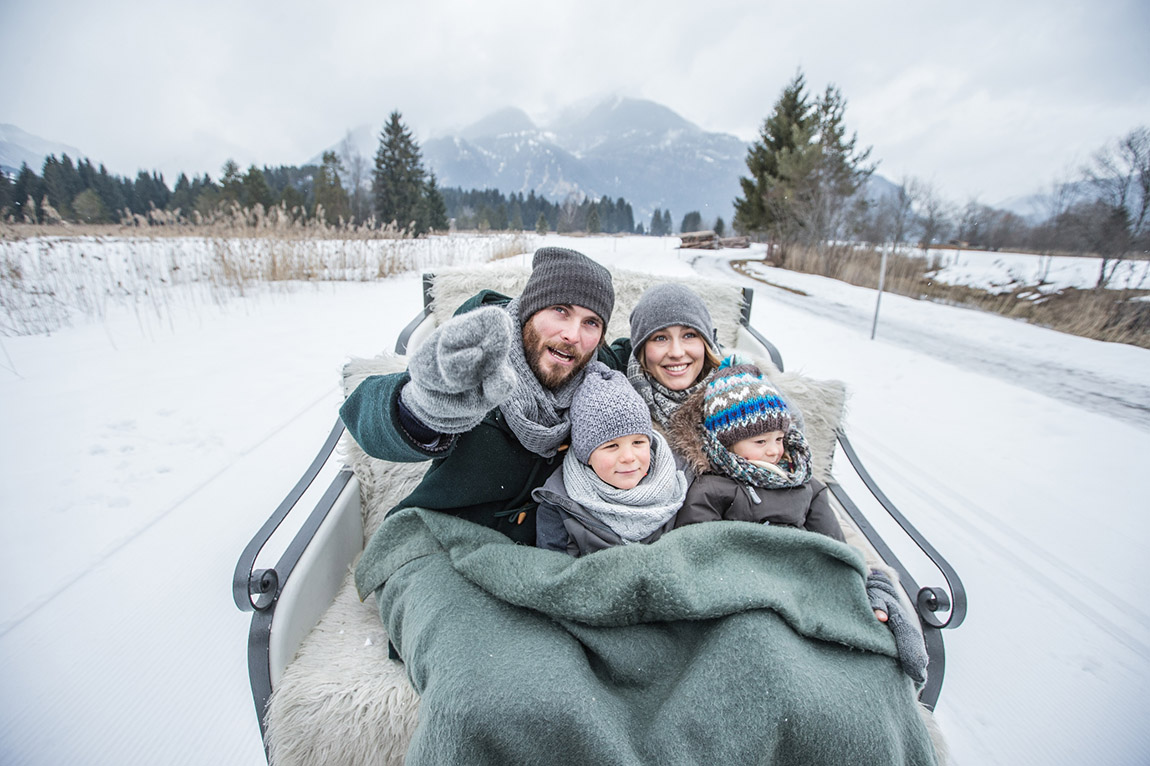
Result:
pixel 538 416
pixel 634 513
pixel 661 400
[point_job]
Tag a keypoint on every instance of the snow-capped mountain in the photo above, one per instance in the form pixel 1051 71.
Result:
pixel 621 147
pixel 18 147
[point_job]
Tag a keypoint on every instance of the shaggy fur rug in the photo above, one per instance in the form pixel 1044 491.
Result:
pixel 342 701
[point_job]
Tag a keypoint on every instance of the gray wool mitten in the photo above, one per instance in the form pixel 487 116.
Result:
pixel 912 654
pixel 462 371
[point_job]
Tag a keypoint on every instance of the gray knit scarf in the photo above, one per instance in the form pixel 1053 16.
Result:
pixel 633 513
pixel 661 400
pixel 794 469
pixel 538 416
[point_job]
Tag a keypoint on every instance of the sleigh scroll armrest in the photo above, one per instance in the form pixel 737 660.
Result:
pixel 928 601
pixel 252 588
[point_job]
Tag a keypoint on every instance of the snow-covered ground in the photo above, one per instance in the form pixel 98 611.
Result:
pixel 1003 271
pixel 138 456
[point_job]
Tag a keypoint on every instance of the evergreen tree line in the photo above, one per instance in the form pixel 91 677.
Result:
pixel 401 191
pixel 79 192
pixel 490 209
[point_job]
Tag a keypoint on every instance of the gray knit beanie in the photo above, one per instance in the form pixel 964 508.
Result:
pixel 561 277
pixel 605 407
pixel 670 304
pixel 740 403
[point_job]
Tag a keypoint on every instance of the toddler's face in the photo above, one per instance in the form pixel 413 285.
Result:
pixel 622 462
pixel 767 447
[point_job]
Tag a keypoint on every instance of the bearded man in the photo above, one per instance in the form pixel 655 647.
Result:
pixel 486 398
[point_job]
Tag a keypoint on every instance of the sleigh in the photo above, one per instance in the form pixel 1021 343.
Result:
pixel 324 687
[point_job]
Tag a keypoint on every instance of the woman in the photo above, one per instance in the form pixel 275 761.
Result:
pixel 673 348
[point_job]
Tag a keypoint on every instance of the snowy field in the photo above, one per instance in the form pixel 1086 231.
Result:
pixel 1001 272
pixel 139 453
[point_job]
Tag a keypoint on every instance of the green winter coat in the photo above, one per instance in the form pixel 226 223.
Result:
pixel 485 475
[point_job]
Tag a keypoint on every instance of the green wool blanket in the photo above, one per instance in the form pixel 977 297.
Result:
pixel 721 643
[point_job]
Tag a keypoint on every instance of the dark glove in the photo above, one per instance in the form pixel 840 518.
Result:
pixel 907 639
pixel 461 372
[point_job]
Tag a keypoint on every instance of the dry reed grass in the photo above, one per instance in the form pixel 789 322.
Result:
pixel 1117 316
pixel 51 274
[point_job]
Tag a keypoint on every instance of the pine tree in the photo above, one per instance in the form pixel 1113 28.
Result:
pixel 720 227
pixel 255 189
pixel 28 188
pixel 656 227
pixel 789 127
pixel 667 225
pixel 692 221
pixel 398 181
pixel 805 171
pixel 593 225
pixel 62 183
pixel 436 208
pixel 231 182
pixel 5 196
pixel 182 198
pixel 329 193
pixel 541 226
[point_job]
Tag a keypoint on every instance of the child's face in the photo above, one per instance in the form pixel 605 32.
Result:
pixel 767 447
pixel 622 462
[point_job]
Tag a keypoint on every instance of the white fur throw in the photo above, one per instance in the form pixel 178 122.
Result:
pixel 342 701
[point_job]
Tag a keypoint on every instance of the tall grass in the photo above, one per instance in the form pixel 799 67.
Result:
pixel 50 276
pixel 1118 316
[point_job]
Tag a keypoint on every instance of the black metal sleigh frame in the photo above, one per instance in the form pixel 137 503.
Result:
pixel 287 598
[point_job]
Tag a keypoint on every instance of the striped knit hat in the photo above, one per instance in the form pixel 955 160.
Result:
pixel 740 403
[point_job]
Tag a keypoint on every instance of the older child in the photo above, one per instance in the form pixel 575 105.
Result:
pixel 618 483
pixel 750 459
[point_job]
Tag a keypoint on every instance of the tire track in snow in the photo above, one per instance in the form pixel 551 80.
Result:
pixel 1125 400
pixel 45 599
pixel 1058 575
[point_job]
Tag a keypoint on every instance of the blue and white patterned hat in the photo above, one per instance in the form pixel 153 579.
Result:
pixel 740 403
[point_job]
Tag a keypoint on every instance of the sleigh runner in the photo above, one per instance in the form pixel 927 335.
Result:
pixel 324 687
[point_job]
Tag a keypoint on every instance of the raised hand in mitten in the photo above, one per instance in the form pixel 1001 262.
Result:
pixel 883 596
pixel 461 371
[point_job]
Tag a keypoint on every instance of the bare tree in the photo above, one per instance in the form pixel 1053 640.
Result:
pixel 933 221
pixel 356 177
pixel 1120 176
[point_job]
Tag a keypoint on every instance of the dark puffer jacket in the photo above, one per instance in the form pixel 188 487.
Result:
pixel 715 497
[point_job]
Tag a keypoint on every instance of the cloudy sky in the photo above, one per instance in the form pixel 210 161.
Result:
pixel 984 99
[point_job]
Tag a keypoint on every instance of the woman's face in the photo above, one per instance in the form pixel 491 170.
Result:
pixel 674 356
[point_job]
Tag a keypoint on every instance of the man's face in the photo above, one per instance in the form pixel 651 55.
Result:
pixel 559 341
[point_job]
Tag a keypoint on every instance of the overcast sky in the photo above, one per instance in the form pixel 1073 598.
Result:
pixel 984 99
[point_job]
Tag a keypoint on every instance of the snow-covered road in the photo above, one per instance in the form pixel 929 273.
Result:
pixel 136 460
pixel 1060 367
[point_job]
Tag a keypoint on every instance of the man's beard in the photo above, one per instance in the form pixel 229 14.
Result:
pixel 534 348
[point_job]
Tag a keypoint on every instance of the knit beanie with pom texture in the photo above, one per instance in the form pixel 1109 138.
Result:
pixel 740 403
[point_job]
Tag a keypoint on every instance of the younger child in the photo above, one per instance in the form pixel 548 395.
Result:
pixel 618 483
pixel 751 461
